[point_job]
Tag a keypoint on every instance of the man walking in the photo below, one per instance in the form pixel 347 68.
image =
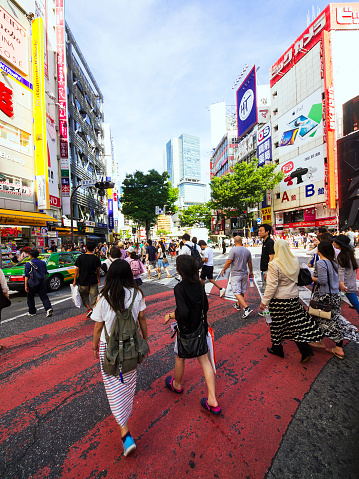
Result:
pixel 207 268
pixel 150 257
pixel 88 273
pixel 188 246
pixel 35 283
pixel 238 259
pixel 267 250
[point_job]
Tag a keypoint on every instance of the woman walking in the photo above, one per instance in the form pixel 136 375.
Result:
pixel 191 310
pixel 326 279
pixel 137 267
pixel 118 294
pixel 289 318
pixel 161 256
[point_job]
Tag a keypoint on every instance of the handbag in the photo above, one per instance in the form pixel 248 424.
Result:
pixel 4 301
pixel 304 277
pixel 194 344
pixel 318 308
pixel 165 260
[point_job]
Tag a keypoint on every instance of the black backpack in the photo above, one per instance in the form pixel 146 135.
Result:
pixel 195 254
pixel 35 276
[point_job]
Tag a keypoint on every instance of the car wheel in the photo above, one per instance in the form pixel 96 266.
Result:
pixel 54 282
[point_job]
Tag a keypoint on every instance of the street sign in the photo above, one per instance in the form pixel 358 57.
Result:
pixel 88 183
pixel 259 221
pixel 157 210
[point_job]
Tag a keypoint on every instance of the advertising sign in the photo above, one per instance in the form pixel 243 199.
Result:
pixel 266 214
pixel 52 161
pixel 110 214
pixel 303 170
pixel 13 42
pixel 247 104
pixel 264 145
pixel 246 145
pixel 41 171
pixel 301 124
pixel 16 188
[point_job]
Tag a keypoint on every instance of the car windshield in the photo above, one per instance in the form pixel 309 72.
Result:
pixel 44 257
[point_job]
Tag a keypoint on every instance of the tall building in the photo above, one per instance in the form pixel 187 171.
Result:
pixel 184 168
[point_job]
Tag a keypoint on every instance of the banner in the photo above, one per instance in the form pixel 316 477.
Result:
pixel 247 104
pixel 41 170
pixel 264 145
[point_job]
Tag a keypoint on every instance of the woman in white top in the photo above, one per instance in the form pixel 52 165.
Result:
pixel 115 253
pixel 289 318
pixel 117 295
pixel 5 290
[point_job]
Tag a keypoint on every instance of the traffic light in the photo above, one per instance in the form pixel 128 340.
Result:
pixel 80 226
pixel 102 186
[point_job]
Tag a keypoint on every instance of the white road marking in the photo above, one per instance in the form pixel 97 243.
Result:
pixel 25 314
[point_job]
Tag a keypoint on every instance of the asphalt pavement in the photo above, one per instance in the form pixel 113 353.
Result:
pixel 280 419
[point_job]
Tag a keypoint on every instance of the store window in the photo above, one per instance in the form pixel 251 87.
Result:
pixel 15 188
pixel 14 138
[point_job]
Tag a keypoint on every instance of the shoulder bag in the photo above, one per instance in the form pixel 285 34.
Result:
pixel 318 308
pixel 304 277
pixel 4 301
pixel 194 344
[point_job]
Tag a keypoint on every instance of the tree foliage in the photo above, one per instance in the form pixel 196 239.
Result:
pixel 234 192
pixel 142 192
pixel 196 215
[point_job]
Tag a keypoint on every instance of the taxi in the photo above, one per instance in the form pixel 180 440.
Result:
pixel 60 266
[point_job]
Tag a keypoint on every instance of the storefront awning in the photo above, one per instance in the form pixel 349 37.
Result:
pixel 23 218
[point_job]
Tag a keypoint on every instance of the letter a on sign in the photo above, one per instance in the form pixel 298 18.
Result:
pixel 285 197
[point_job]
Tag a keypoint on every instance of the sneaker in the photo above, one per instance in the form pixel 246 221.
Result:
pixel 236 306
pixel 31 314
pixel 128 445
pixel 222 292
pixel 247 312
pixel 89 312
pixel 49 312
pixel 261 313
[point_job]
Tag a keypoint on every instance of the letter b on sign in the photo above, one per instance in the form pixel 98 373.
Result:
pixel 309 190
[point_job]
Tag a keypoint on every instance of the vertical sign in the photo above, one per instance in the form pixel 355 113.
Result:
pixel 41 170
pixel 62 96
pixel 330 122
pixel 110 214
pixel 247 103
pixel 264 145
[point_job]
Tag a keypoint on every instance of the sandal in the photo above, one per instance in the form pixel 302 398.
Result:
pixel 169 385
pixel 214 410
pixel 331 350
pixel 317 345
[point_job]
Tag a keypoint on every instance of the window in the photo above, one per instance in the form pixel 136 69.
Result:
pixel 65 259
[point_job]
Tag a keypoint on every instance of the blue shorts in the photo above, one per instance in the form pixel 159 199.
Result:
pixel 160 263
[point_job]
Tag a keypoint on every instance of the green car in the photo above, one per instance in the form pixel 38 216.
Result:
pixel 60 266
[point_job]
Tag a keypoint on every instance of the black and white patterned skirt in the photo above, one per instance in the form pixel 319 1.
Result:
pixel 291 321
pixel 336 328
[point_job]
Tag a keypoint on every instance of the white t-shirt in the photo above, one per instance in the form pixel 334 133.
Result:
pixel 208 253
pixel 186 250
pixel 104 313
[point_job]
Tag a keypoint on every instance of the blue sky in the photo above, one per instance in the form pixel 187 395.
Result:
pixel 161 63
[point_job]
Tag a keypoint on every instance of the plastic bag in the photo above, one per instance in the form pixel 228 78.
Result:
pixel 211 350
pixel 75 294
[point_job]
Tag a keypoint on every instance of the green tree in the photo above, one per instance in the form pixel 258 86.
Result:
pixel 142 192
pixel 163 232
pixel 234 192
pixel 196 215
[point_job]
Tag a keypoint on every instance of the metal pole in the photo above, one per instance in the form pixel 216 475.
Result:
pixel 72 216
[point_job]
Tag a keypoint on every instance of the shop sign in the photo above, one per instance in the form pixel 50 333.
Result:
pixel 65 186
pixel 67 223
pixel 6 103
pixel 90 230
pixel 15 76
pixel 264 145
pixel 266 215
pixel 247 103
pixel 101 225
pixel 35 231
pixel 40 241
pixel 330 108
pixel 13 41
pixel 53 234
pixel 16 188
pixel 327 221
pixel 346 16
pixel 15 231
pixel 8 157
pixel 90 223
pixel 55 201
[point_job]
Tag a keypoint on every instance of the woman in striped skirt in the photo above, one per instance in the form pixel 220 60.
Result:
pixel 117 295
pixel 289 318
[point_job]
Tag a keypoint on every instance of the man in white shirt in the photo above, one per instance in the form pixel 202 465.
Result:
pixel 187 246
pixel 207 268
pixel 351 236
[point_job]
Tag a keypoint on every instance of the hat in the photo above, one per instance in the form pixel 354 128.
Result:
pixel 341 240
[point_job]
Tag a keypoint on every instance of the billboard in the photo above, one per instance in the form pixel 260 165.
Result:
pixel 41 170
pixel 301 124
pixel 247 104
pixel 13 42
pixel 264 145
pixel 303 170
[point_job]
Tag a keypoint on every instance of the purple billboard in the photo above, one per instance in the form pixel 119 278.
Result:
pixel 247 103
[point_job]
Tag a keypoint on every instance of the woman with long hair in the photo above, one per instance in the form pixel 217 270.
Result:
pixel 161 255
pixel 289 318
pixel 117 295
pixel 326 279
pixel 191 309
pixel 348 266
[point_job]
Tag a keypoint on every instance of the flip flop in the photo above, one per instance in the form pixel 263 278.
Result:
pixel 214 410
pixel 331 350
pixel 169 385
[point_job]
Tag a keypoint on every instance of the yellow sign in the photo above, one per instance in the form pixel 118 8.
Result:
pixel 39 105
pixel 266 214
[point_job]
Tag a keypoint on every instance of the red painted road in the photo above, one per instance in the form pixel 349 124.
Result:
pixel 50 379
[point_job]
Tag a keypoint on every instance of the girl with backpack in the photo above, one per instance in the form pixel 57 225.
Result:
pixel 117 295
pixel 136 266
pixel 191 316
pixel 162 260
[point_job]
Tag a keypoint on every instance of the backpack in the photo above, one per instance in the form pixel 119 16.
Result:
pixel 195 254
pixel 135 267
pixel 35 276
pixel 125 346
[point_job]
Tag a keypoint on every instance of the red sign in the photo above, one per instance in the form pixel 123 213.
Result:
pixel 330 108
pixel 55 201
pixel 65 189
pixel 40 241
pixel 6 104
pixel 288 167
pixel 61 75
